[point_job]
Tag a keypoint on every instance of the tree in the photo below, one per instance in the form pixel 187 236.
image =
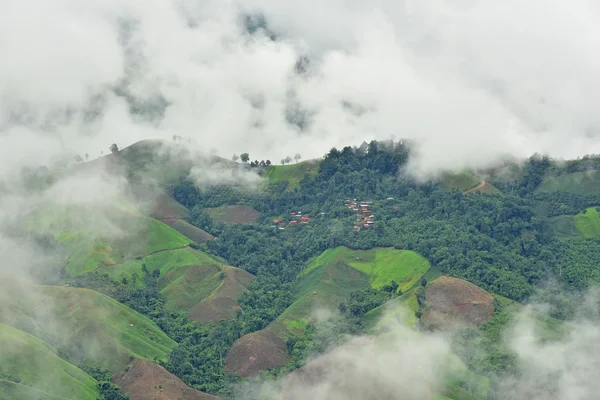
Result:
pixel 282 161
pixel 87 156
pixel 114 148
pixel 235 158
pixel 244 157
pixel 288 159
pixel 297 157
pixel 424 282
pixel 78 159
pixel 268 162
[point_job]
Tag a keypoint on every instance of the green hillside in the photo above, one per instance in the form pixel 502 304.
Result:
pixel 124 243
pixel 564 226
pixel 292 173
pixel 588 223
pixel 331 277
pixel 95 237
pixel 584 182
pixel 85 325
pixel 463 181
pixel 30 370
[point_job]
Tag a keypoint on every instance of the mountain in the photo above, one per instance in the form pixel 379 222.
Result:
pixel 183 285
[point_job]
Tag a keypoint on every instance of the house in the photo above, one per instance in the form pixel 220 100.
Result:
pixel 304 219
pixel 277 221
pixel 293 222
pixel 366 212
pixel 356 228
pixel 366 226
pixel 370 222
pixel 292 213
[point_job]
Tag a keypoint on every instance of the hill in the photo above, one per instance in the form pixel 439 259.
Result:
pixel 86 326
pixel 291 174
pixel 222 303
pixel 118 241
pixel 455 302
pixel 463 181
pixel 326 282
pixel 331 277
pixel 30 370
pixel 256 352
pixel 581 182
pixel 146 380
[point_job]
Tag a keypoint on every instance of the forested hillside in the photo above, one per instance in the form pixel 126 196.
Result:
pixel 225 270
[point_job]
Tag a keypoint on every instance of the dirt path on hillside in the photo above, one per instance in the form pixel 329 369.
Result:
pixel 482 184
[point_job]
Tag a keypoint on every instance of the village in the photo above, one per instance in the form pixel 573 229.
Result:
pixel 365 219
pixel 364 216
pixel 296 218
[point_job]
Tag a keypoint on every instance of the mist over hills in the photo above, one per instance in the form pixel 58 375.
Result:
pixel 257 200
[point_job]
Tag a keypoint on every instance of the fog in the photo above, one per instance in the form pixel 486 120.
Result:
pixel 470 82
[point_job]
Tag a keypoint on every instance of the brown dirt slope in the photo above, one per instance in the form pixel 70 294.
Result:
pixel 255 352
pixel 223 304
pixel 145 380
pixel 455 302
pixel 233 214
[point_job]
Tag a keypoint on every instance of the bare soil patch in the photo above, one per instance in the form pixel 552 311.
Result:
pixel 455 302
pixel 233 214
pixel 255 352
pixel 145 380
pixel 223 304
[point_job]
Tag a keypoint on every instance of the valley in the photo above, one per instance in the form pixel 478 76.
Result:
pixel 175 290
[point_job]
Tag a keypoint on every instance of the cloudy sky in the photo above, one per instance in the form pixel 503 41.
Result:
pixel 470 81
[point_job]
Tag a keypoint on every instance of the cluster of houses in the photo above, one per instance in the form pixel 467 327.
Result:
pixel 364 215
pixel 296 218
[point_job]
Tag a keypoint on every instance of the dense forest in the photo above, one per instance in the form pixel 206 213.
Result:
pixel 502 243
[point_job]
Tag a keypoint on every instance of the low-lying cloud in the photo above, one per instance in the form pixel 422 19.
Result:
pixel 402 363
pixel 469 82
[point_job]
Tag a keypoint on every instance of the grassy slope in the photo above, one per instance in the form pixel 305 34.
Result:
pixel 189 230
pixel 187 276
pixel 586 183
pixel 292 173
pixel 338 272
pixel 228 214
pixel 463 181
pixel 588 223
pixel 91 326
pixel 564 226
pixel 42 374
pixel 94 238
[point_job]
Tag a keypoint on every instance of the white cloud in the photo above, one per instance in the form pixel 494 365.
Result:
pixel 470 81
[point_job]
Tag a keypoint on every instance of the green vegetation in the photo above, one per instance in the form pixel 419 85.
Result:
pixel 292 174
pixel 93 327
pixel 336 273
pixel 189 230
pixel 564 227
pixel 588 223
pixel 31 370
pixel 501 243
pixel 93 241
pixel 581 182
pixel 463 181
pixel 238 214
